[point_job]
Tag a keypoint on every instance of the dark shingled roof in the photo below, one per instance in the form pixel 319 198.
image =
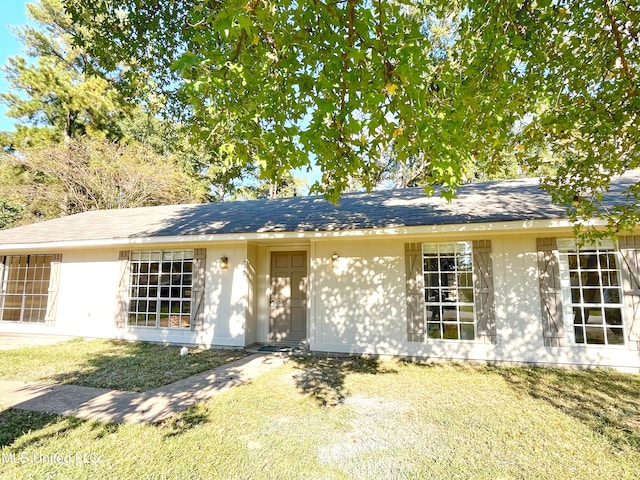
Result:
pixel 514 200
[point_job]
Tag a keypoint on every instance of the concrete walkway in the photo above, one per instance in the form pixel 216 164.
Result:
pixel 114 406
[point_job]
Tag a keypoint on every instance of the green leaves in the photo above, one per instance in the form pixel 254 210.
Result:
pixel 412 92
pixel 62 179
pixel 55 88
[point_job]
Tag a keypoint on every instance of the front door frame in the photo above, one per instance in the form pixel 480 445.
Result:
pixel 267 266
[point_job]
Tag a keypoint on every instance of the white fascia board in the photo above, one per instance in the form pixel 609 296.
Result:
pixel 528 226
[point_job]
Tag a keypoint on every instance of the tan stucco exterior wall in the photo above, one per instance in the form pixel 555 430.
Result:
pixel 356 304
pixel 359 306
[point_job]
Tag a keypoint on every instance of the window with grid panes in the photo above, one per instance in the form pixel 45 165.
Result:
pixel 24 288
pixel 449 300
pixel 160 289
pixel 594 294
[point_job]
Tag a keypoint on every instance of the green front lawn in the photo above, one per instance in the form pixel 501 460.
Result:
pixel 132 366
pixel 358 418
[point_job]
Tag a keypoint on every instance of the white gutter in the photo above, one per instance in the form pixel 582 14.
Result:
pixel 530 226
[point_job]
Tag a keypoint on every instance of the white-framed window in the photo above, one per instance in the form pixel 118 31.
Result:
pixel 448 290
pixel 160 288
pixel 24 287
pixel 592 293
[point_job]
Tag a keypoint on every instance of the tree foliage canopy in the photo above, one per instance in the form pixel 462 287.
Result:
pixel 436 85
pixel 79 145
pixel 51 90
pixel 93 174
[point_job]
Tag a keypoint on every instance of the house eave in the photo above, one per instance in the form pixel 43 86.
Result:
pixel 468 229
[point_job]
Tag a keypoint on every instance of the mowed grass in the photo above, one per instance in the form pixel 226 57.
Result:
pixel 317 418
pixel 118 365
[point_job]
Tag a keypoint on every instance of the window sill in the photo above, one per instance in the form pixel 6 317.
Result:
pixel 453 341
pixel 599 346
pixel 171 329
pixel 18 322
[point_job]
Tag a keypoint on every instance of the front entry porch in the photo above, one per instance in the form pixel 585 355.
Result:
pixel 288 298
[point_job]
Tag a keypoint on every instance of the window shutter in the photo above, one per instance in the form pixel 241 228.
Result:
pixel 630 252
pixel 483 291
pixel 3 260
pixel 54 286
pixel 197 292
pixel 122 305
pixel 415 292
pixel 550 293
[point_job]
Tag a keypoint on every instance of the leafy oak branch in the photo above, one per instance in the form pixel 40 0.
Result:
pixel 436 90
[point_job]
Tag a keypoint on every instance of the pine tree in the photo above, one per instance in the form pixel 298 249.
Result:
pixel 52 90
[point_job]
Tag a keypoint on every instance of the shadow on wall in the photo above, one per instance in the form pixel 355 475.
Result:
pixel 520 321
pixel 362 297
pixel 223 306
pixel 518 308
pixel 361 307
pixel 361 303
pixel 224 315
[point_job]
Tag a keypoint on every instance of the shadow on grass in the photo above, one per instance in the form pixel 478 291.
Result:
pixel 185 421
pixel 140 366
pixel 20 429
pixel 606 401
pixel 323 378
pixel 102 430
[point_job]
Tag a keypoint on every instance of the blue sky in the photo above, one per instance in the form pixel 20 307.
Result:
pixel 12 12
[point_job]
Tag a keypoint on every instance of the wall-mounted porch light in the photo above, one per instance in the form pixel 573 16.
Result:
pixel 224 262
pixel 334 260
